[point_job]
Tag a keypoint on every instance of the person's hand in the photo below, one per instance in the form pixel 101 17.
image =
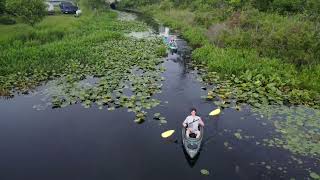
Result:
pixel 184 125
pixel 201 123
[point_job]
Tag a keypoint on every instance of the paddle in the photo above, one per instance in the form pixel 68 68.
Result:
pixel 215 112
pixel 167 134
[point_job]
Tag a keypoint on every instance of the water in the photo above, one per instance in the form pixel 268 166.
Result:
pixel 79 143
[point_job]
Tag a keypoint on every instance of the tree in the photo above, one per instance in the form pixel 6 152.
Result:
pixel 30 11
pixel 2 6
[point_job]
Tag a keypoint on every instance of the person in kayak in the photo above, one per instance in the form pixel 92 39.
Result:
pixel 192 123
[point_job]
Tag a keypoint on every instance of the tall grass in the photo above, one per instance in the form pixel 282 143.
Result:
pixel 237 61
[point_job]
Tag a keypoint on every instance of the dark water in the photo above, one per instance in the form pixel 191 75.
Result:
pixel 79 143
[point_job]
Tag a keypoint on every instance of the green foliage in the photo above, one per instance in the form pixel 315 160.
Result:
pixel 298 128
pixel 291 39
pixel 262 5
pixel 134 4
pixel 236 61
pixel 31 11
pixel 284 6
pixel 195 36
pixel 166 5
pixel 313 9
pixel 50 29
pixel 2 6
pixel 273 39
pixel 255 80
pixel 96 4
pixel 7 20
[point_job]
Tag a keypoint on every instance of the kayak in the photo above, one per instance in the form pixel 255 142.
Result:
pixel 192 145
pixel 173 45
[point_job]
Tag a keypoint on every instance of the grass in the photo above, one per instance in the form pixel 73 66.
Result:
pixel 10 31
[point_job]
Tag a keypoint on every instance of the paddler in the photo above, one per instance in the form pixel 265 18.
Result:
pixel 192 123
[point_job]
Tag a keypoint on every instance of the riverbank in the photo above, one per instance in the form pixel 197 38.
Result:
pixel 225 46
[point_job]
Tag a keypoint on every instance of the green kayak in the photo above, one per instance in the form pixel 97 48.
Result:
pixel 191 144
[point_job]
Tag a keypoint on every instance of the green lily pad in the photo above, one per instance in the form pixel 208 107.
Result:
pixel 314 175
pixel 156 115
pixel 163 121
pixel 205 172
pixel 238 135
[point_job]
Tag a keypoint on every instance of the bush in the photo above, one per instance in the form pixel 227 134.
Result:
pixel 262 5
pixel 31 11
pixel 274 36
pixel 2 6
pixel 236 61
pixel 313 8
pixel 196 36
pixel 166 5
pixel 284 6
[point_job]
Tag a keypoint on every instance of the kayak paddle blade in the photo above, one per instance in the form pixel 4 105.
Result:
pixel 215 112
pixel 167 133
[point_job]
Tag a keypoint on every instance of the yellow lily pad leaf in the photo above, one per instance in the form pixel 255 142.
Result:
pixel 167 133
pixel 215 112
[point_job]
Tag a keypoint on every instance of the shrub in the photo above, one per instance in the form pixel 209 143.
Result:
pixel 165 5
pixel 31 11
pixel 284 6
pixel 2 6
pixel 313 8
pixel 274 36
pixel 196 36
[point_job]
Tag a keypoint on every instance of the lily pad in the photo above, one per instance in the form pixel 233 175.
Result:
pixel 156 115
pixel 238 135
pixel 205 172
pixel 314 175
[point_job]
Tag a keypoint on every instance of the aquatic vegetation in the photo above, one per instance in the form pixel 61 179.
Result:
pixel 95 66
pixel 127 76
pixel 205 172
pixel 250 82
pixel 227 145
pixel 297 129
pixel 238 135
pixel 156 116
pixel 314 175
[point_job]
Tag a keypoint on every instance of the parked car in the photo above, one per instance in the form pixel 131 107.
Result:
pixel 68 8
pixel 50 8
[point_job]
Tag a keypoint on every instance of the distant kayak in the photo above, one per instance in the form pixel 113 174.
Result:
pixel 170 42
pixel 192 145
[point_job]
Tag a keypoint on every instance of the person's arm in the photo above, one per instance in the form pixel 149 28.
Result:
pixel 201 122
pixel 184 124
